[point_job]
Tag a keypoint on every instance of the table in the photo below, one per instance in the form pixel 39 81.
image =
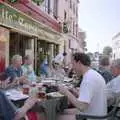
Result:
pixel 50 107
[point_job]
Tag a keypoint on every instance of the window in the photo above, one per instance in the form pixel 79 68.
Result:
pixel 45 6
pixel 73 27
pixel 74 8
pixel 65 15
pixel 48 7
pixel 55 10
pixel 71 4
pixel 69 43
pixel 76 11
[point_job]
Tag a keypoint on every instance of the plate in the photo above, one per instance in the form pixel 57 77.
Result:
pixel 55 94
pixel 15 95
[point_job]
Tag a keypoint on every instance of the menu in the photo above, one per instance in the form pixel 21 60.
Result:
pixel 15 95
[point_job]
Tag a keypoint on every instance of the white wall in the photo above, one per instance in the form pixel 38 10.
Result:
pixel 116 48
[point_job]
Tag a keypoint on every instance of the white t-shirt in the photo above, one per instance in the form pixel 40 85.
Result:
pixel 92 91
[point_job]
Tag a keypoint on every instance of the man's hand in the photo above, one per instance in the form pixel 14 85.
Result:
pixel 29 103
pixel 22 79
pixel 74 91
pixel 5 83
pixel 63 90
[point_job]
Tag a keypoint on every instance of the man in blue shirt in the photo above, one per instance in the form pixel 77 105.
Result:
pixel 28 69
pixel 14 71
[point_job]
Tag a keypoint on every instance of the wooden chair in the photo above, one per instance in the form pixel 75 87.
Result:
pixel 112 115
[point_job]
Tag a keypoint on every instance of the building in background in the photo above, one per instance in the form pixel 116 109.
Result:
pixel 68 18
pixel 41 28
pixel 81 40
pixel 116 46
pixel 25 28
pixel 65 12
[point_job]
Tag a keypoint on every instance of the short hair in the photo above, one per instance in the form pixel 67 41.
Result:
pixel 27 57
pixel 64 54
pixel 104 61
pixel 15 58
pixel 83 58
pixel 116 63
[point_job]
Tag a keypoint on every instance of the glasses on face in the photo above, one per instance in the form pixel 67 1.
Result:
pixel 56 63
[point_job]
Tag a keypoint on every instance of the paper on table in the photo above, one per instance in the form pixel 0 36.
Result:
pixel 67 79
pixel 55 94
pixel 15 95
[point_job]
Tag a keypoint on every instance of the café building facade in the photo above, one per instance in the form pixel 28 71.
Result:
pixel 23 34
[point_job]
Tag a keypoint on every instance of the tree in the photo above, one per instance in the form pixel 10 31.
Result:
pixel 107 50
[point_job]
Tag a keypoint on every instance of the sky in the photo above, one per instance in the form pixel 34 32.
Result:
pixel 100 19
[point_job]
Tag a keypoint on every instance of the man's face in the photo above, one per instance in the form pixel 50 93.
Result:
pixel 76 66
pixel 115 71
pixel 18 62
pixel 29 61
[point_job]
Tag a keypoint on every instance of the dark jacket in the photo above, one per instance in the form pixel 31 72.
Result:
pixel 107 75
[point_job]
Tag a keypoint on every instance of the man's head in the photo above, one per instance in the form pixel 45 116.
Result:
pixel 28 60
pixel 115 67
pixel 80 61
pixel 16 61
pixel 64 54
pixel 104 61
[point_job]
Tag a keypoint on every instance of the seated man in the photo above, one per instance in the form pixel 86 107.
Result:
pixel 28 69
pixel 14 71
pixel 113 87
pixel 91 98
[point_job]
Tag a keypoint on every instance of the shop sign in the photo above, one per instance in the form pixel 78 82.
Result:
pixel 12 18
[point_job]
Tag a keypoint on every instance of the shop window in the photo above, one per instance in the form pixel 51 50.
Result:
pixel 43 49
pixel 47 6
pixel 19 44
pixel 69 43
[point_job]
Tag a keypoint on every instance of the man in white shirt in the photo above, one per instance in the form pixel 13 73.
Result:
pixel 113 87
pixel 92 97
